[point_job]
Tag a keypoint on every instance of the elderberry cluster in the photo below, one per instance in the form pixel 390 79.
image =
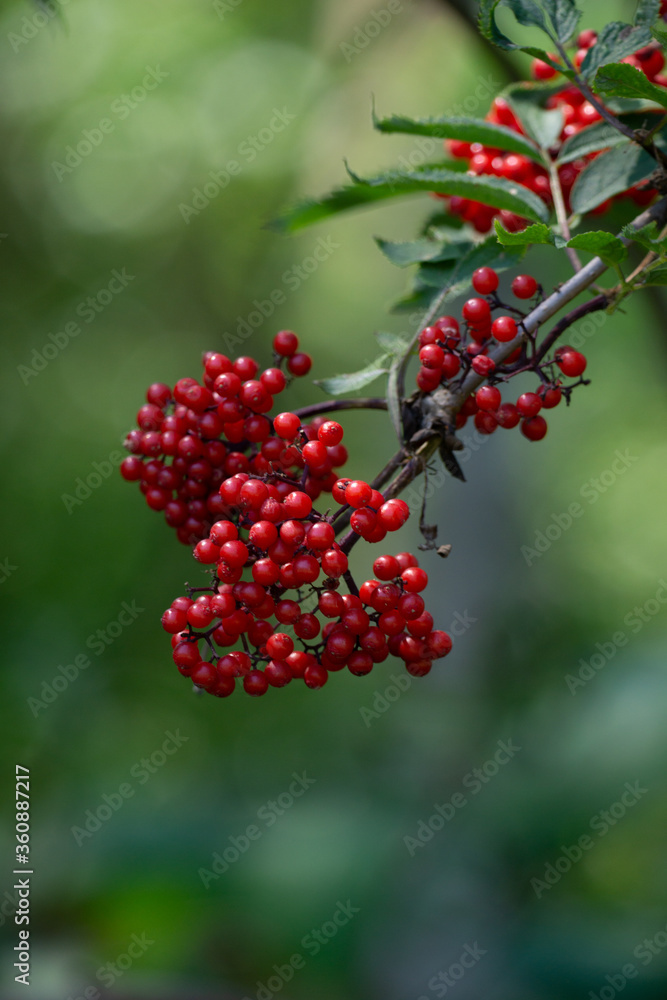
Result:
pixel 240 488
pixel 446 352
pixel 578 114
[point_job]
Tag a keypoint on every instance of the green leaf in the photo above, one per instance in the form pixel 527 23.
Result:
pixel 658 276
pixel 539 233
pixel 623 80
pixel 416 251
pixel 465 129
pixel 526 101
pixel 646 237
pixel 659 33
pixel 601 135
pixel 491 190
pixel 615 42
pixel 527 13
pixel 647 12
pixel 602 244
pixel 392 343
pixel 609 174
pixel 564 16
pixel 338 384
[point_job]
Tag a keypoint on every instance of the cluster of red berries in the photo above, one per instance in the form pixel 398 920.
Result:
pixel 288 546
pixel 445 353
pixel 191 438
pixel 238 485
pixel 577 112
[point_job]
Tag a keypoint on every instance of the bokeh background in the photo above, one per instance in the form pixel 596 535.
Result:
pixel 223 69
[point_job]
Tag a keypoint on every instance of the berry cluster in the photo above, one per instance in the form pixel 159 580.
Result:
pixel 578 113
pixel 446 352
pixel 287 546
pixel 192 438
pixel 239 487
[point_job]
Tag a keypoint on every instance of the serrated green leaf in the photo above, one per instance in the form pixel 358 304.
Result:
pixel 491 190
pixel 488 27
pixel 538 233
pixel 659 33
pixel 338 384
pixel 623 80
pixel 526 101
pixel 647 12
pixel 646 237
pixel 392 343
pixel 601 135
pixel 465 129
pixel 416 251
pixel 609 174
pixel 658 276
pixel 527 13
pixel 602 244
pixel 616 41
pixel 564 17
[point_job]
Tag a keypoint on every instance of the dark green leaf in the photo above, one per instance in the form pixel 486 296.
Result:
pixel 527 103
pixel 601 135
pixel 602 244
pixel 491 190
pixel 623 80
pixel 488 26
pixel 466 129
pixel 659 33
pixel 527 13
pixel 417 251
pixel 539 233
pixel 564 16
pixel 609 174
pixel 615 42
pixel 338 384
pixel 646 237
pixel 647 12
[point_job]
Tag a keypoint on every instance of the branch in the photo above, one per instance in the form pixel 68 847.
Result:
pixel 333 405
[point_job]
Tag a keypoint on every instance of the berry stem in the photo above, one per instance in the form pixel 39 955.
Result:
pixel 332 405
pixel 561 214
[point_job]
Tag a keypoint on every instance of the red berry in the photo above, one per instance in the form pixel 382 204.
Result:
pixel 550 395
pixel 488 397
pixel 483 365
pixel 504 329
pixel 524 286
pixel 477 312
pixel 285 343
pixel 255 683
pixel 529 404
pixel 386 567
pixel 300 364
pixel 393 514
pixel 297 504
pixel 570 362
pixel 485 280
pixel 277 673
pixel 330 433
pixel 414 579
pixel 286 425
pixel 507 415
pixel 358 493
pixel 485 422
pixel 432 357
pixel 534 428
pixel 315 676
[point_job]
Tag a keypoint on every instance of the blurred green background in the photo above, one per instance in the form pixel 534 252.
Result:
pixel 219 71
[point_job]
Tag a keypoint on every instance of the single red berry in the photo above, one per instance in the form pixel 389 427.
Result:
pixel 541 70
pixel 550 395
pixel 315 454
pixel 315 675
pixel 358 493
pixel 320 536
pixel 393 514
pixel 297 504
pixel 414 579
pixel 432 357
pixel 483 365
pixel 488 397
pixel 571 363
pixel 330 433
pixel 334 563
pixel 386 567
pixel 507 415
pixel 504 329
pixel 300 364
pixel 255 683
pixel 477 312
pixel 485 280
pixel 524 286
pixel 485 422
pixel 534 428
pixel 285 343
pixel 529 404
pixel 586 38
